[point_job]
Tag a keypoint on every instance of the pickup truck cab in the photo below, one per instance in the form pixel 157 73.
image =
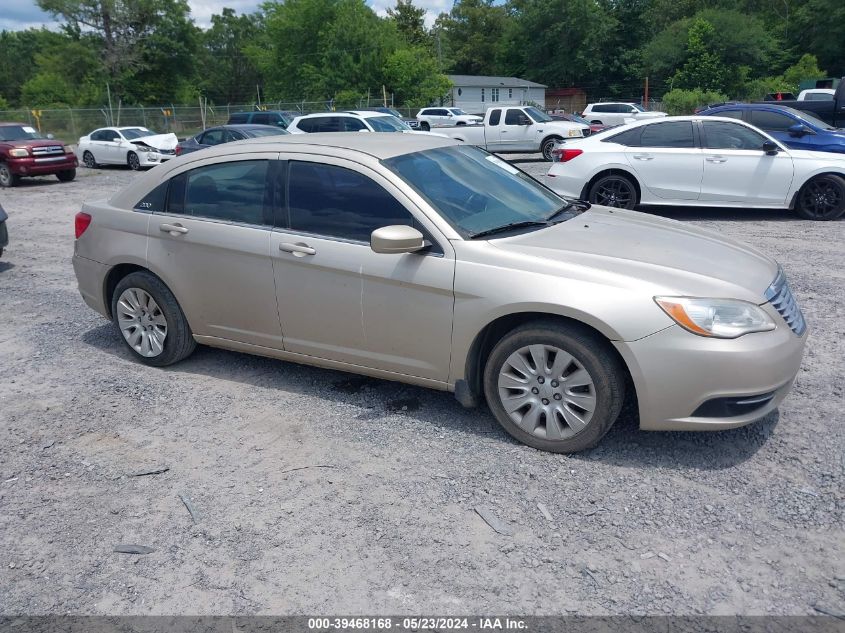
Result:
pixel 831 111
pixel 817 94
pixel 793 128
pixel 444 117
pixel 24 152
pixel 517 130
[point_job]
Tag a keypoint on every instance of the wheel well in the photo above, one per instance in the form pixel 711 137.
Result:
pixel 551 137
pixel 494 331
pixel 113 278
pixel 612 172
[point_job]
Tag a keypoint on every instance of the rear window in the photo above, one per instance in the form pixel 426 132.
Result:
pixel 630 138
pixel 670 134
pixel 154 201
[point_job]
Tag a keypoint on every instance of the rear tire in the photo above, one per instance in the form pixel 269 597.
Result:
pixel 7 178
pixel 67 175
pixel 133 161
pixel 822 198
pixel 613 191
pixel 425 127
pixel 565 372
pixel 178 340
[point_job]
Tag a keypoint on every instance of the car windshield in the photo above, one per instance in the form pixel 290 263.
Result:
pixel 391 111
pixel 638 107
pixel 538 115
pixel 475 191
pixel 809 118
pixel 136 132
pixel 387 123
pixel 18 133
pixel 456 111
pixel 577 119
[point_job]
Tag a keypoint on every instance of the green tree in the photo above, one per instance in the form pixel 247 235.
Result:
pixel 226 73
pixel 18 50
pixel 469 36
pixel 703 68
pixel 411 74
pixel 66 73
pixel 410 22
pixel 819 26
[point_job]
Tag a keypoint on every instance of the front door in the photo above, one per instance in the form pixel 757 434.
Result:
pixel 339 300
pixel 736 169
pixel 517 132
pixel 212 243
pixel 668 162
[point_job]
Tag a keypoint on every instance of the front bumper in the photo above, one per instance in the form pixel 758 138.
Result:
pixel 31 166
pixel 677 374
pixel 151 159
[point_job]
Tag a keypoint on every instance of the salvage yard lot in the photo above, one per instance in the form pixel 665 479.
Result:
pixel 322 492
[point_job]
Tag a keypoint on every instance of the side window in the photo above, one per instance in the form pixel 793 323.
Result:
pixel 212 137
pixel 234 192
pixel 495 117
pixel 513 116
pixel 423 112
pixel 732 114
pixel 603 108
pixel 629 138
pixel 306 125
pixel 239 117
pixel 671 134
pixel 232 135
pixel 262 118
pixel 108 135
pixel 626 109
pixel 338 202
pixel 353 125
pixel 771 121
pixel 155 200
pixel 720 135
pixel 96 136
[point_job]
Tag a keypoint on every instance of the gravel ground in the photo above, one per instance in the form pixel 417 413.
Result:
pixel 322 492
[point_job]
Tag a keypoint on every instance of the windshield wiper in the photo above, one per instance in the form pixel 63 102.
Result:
pixel 579 205
pixel 508 227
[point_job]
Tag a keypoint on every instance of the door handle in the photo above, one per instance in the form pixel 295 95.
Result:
pixel 173 229
pixel 716 159
pixel 643 157
pixel 297 249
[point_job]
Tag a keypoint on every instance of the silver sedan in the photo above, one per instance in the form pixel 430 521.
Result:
pixel 418 259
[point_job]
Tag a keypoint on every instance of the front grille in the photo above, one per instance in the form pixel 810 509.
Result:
pixel 167 151
pixel 48 151
pixel 780 296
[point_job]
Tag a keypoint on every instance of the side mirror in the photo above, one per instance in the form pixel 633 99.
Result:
pixel 799 129
pixel 397 238
pixel 770 148
pixel 524 120
pixel 116 139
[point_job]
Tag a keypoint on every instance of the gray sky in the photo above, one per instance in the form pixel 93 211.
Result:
pixel 22 14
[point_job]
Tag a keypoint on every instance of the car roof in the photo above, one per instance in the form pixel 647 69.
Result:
pixel 363 114
pixel 773 107
pixel 694 117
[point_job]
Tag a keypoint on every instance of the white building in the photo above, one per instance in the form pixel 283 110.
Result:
pixel 476 93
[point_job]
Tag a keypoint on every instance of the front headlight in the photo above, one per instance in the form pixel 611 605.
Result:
pixel 19 152
pixel 720 318
pixel 66 149
pixel 143 148
pixel 572 133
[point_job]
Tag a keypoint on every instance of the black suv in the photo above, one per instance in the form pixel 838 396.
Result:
pixel 279 118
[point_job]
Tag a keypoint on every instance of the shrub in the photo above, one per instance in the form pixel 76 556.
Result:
pixel 677 101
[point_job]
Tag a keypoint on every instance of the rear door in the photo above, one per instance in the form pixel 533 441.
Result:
pixel 737 170
pixel 668 161
pixel 339 300
pixel 211 246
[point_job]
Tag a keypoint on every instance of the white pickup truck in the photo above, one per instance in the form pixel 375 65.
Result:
pixel 517 130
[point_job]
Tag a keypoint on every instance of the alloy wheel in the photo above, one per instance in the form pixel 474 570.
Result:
pixel 88 159
pixel 821 200
pixel 5 176
pixel 134 163
pixel 615 192
pixel 141 322
pixel 547 392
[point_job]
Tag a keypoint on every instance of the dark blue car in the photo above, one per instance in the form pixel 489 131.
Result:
pixel 791 127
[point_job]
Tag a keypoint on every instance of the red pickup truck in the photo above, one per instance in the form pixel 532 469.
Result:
pixel 24 152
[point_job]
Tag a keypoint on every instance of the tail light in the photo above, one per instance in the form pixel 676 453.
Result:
pixel 81 223
pixel 178 150
pixel 562 155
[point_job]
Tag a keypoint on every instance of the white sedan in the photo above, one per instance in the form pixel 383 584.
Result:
pixel 134 146
pixel 701 162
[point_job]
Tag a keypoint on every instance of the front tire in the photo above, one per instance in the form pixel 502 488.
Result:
pixel 67 175
pixel 88 160
pixel 150 321
pixel 823 198
pixel 7 178
pixel 554 387
pixel 425 127
pixel 133 161
pixel 613 191
pixel 547 147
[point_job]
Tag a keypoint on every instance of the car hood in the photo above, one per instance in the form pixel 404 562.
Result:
pixel 35 142
pixel 668 257
pixel 565 125
pixel 157 141
pixel 834 159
